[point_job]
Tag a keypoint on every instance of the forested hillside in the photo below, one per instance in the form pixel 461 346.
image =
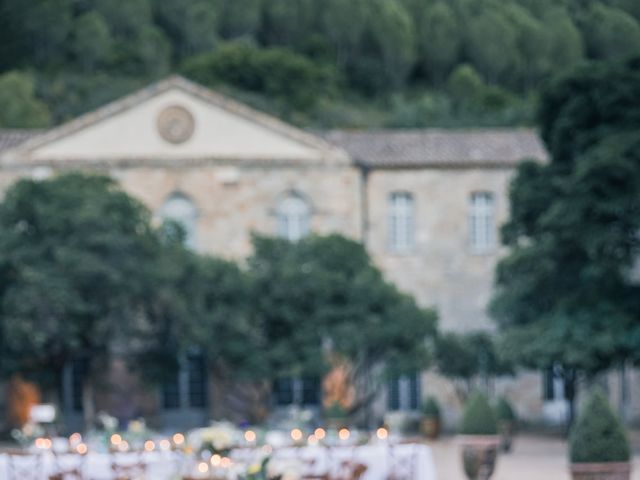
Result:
pixel 317 63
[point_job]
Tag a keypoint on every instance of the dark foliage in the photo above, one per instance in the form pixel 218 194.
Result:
pixel 478 417
pixel 598 435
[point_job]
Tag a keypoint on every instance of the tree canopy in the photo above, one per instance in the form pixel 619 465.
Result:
pixel 85 274
pixel 321 297
pixel 75 254
pixel 378 50
pixel 567 292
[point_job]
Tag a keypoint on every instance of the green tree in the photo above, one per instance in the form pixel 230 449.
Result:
pixel 192 26
pixel 276 72
pixel 20 107
pixel 465 86
pixel 598 436
pixel 439 40
pixel 344 24
pixel 289 23
pixel 239 18
pixel 92 43
pixel 492 44
pixel 467 358
pixel 321 297
pixel 125 18
pixel 75 260
pixel 611 33
pixel 566 47
pixel 389 48
pixel 564 294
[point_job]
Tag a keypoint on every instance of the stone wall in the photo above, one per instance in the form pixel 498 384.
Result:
pixel 442 270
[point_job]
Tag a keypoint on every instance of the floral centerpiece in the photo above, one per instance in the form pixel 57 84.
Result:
pixel 219 438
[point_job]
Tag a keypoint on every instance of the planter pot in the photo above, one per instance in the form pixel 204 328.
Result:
pixel 601 471
pixel 506 429
pixel 430 427
pixel 479 455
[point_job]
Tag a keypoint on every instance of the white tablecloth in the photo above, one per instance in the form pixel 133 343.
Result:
pixel 408 461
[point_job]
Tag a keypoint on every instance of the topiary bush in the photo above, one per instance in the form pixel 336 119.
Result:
pixel 504 411
pixel 431 408
pixel 478 417
pixel 598 435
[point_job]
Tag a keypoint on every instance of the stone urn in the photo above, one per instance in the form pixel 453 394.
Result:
pixel 506 429
pixel 601 471
pixel 479 455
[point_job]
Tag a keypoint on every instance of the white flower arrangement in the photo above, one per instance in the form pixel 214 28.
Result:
pixel 219 437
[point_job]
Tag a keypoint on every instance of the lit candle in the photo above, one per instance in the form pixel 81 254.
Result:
pixel 82 448
pixel 296 434
pixel 116 439
pixel 203 467
pixel 344 434
pixel 382 433
pixel 250 436
pixel 215 460
pixel 178 439
pixel 149 445
pixel 319 433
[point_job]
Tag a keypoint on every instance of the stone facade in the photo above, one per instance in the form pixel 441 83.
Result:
pixel 234 165
pixel 441 269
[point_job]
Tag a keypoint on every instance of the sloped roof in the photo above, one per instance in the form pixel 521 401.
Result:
pixel 14 137
pixel 439 148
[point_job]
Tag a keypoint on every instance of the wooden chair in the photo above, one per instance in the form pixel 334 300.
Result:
pixel 351 471
pixel 128 465
pixel 311 473
pixel 23 465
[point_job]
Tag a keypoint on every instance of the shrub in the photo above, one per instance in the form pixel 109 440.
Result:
pixel 598 435
pixel 504 410
pixel 430 408
pixel 478 417
pixel 275 72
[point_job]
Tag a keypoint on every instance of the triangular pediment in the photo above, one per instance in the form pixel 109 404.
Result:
pixel 171 120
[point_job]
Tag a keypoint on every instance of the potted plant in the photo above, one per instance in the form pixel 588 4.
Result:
pixel 479 439
pixel 598 444
pixel 506 423
pixel 430 423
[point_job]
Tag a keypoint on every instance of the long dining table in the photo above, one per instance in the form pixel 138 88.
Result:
pixel 405 461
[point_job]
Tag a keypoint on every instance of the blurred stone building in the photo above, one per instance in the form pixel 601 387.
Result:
pixel 426 203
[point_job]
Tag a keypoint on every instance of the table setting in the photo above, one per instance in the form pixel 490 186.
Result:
pixel 222 452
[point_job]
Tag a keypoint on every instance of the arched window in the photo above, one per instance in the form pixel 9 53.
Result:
pixel 401 222
pixel 482 222
pixel 180 209
pixel 294 217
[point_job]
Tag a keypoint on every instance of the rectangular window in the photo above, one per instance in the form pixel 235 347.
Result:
pixel 283 391
pixel 404 392
pixel 187 388
pixel 197 381
pixel 171 392
pixel 401 222
pixel 79 367
pixel 482 222
pixel 297 391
